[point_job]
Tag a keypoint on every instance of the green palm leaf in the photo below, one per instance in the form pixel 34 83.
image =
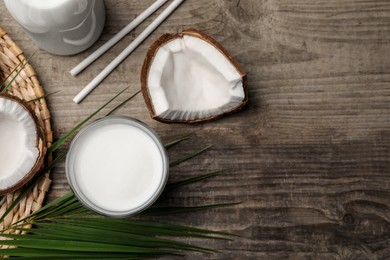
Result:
pixel 175 185
pixel 23 63
pixel 68 135
pixel 65 229
pixel 190 156
pixel 55 146
pixel 158 211
pixel 44 96
pixel 177 141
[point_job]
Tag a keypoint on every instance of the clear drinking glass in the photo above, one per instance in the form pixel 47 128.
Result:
pixel 117 166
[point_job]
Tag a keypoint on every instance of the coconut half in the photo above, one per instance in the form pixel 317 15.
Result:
pixel 189 77
pixel 21 144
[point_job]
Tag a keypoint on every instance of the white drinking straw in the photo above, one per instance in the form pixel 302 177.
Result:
pixel 126 52
pixel 137 21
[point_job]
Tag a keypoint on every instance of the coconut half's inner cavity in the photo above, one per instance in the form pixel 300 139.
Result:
pixel 191 78
pixel 18 138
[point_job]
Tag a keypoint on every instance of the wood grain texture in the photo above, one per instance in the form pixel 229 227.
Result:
pixel 309 156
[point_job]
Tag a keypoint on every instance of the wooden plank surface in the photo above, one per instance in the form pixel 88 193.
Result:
pixel 308 157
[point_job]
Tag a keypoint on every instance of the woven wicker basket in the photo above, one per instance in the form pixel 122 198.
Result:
pixel 25 86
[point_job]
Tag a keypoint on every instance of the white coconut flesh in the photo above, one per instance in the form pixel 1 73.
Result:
pixel 190 79
pixel 18 143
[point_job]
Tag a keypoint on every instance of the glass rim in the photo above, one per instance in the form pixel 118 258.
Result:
pixel 71 175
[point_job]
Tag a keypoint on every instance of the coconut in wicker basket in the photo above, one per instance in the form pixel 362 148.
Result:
pixel 25 135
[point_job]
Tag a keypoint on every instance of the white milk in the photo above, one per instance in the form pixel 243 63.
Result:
pixel 62 27
pixel 117 167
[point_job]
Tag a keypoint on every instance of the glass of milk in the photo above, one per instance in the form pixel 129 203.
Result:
pixel 117 166
pixel 61 27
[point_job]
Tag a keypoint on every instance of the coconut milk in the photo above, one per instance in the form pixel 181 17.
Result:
pixel 62 27
pixel 117 166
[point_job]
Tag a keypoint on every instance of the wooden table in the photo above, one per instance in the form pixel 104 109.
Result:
pixel 308 157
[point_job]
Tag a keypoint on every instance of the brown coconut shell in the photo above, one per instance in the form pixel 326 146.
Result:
pixel 165 38
pixel 40 137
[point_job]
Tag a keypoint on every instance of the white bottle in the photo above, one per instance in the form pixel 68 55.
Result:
pixel 62 27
